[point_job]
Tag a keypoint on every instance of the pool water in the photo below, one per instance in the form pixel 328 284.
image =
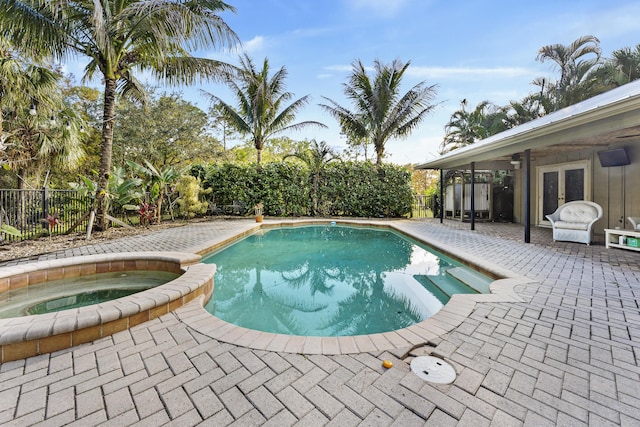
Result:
pixel 331 281
pixel 57 295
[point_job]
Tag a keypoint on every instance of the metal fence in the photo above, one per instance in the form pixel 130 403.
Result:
pixel 27 210
pixel 425 206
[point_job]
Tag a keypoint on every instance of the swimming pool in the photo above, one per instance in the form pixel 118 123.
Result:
pixel 333 281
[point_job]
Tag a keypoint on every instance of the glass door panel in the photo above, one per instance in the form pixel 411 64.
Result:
pixel 550 192
pixel 573 185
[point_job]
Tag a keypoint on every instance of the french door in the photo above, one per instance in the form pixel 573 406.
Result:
pixel 559 184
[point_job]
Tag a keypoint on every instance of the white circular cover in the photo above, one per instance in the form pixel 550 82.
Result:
pixel 433 369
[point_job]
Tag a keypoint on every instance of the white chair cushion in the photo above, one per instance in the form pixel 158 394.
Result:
pixel 578 213
pixel 571 225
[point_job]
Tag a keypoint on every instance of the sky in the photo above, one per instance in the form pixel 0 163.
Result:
pixel 470 49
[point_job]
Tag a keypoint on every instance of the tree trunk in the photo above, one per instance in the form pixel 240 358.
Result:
pixel 316 180
pixel 105 156
pixel 259 156
pixel 159 207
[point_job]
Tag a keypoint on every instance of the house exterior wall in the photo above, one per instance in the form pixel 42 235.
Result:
pixel 616 189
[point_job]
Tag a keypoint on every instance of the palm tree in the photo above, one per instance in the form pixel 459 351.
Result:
pixel 622 68
pixel 466 127
pixel 261 111
pixel 316 156
pixel 627 63
pixel 573 85
pixel 529 108
pixel 380 112
pixel 120 38
pixel 42 129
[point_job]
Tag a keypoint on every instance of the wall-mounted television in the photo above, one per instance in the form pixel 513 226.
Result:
pixel 616 157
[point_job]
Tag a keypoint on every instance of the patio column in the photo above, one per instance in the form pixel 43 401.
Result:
pixel 441 210
pixel 527 196
pixel 472 214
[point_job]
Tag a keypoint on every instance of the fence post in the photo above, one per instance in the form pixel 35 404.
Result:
pixel 45 206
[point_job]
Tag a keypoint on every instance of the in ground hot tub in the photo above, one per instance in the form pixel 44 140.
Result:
pixel 27 336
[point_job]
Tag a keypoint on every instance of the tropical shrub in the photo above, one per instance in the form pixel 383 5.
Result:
pixel 191 196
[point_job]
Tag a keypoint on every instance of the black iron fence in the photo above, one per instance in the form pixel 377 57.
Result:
pixel 425 206
pixel 39 212
pixel 32 212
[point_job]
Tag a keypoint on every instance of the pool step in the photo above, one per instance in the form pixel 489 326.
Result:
pixel 471 278
pixel 429 283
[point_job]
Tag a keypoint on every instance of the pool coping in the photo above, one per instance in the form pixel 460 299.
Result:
pixel 458 308
pixel 26 336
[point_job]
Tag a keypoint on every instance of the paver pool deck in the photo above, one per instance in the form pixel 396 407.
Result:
pixel 567 353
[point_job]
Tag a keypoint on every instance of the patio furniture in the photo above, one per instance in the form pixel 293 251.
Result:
pixel 573 221
pixel 237 208
pixel 635 222
pixel 623 239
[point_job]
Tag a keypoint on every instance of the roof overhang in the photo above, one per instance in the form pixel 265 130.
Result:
pixel 610 118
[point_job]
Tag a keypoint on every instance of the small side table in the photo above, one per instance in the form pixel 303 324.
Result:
pixel 612 238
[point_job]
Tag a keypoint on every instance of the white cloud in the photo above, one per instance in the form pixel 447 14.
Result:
pixel 255 44
pixel 339 68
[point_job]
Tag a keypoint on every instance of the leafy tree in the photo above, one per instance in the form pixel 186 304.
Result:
pixel 222 127
pixel 167 131
pixel 120 38
pixel 380 112
pixel 574 84
pixel 262 111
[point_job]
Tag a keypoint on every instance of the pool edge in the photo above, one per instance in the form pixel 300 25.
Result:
pixel 459 307
pixel 27 336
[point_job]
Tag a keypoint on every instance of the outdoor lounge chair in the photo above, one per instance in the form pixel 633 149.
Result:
pixel 573 221
pixel 635 222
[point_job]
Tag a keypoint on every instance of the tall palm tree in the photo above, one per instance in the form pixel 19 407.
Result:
pixel 570 60
pixel 120 38
pixel 380 112
pixel 262 111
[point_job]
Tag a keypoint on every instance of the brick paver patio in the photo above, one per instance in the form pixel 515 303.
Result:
pixel 568 355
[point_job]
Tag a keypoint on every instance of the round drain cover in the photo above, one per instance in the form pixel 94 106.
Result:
pixel 433 369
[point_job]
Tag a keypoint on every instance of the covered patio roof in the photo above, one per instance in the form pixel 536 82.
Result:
pixel 603 120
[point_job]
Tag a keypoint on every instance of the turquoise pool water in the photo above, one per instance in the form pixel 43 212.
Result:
pixel 333 281
pixel 57 295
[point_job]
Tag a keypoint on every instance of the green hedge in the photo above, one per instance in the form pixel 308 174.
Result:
pixel 352 189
